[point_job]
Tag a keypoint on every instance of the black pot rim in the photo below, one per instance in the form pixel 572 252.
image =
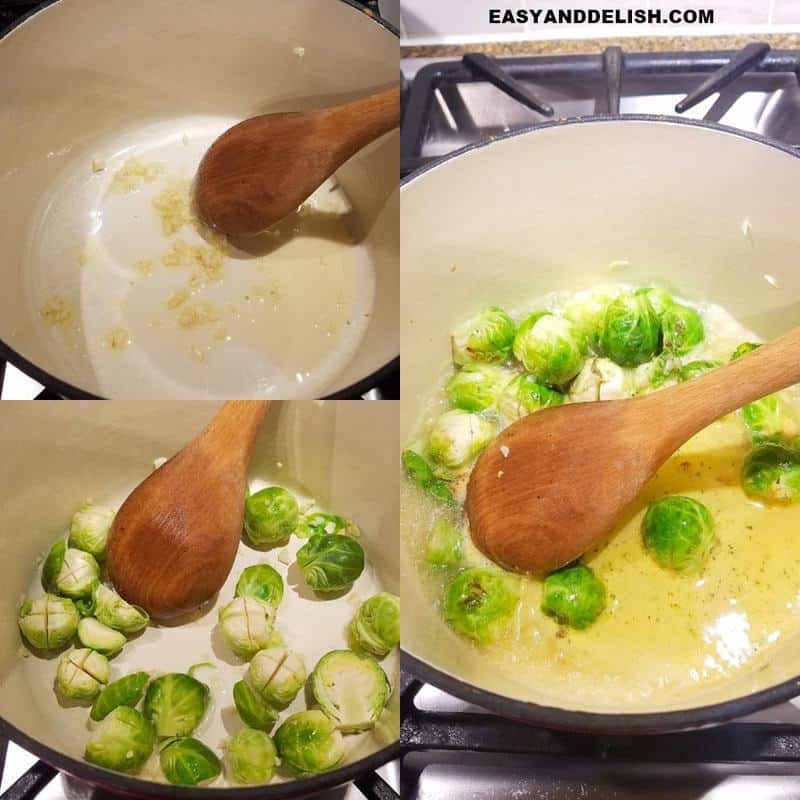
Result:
pixel 70 391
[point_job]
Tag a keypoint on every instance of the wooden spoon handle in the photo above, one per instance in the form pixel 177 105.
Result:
pixel 233 431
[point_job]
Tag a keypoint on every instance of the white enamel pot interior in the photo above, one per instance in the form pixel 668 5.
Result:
pixel 341 453
pixel 705 210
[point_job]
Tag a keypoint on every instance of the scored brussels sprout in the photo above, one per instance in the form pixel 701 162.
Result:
pixel 599 379
pixel 261 581
pixel 247 623
pixel 70 572
pixel 771 419
pixel 99 637
pixel 574 596
pixel 126 691
pixel 480 603
pixel 351 689
pixel 586 311
pixel 375 628
pixel 175 703
pixel 631 330
pixel 308 743
pixel 89 529
pixel 457 437
pixel 681 328
pixel 81 674
pixel 123 741
pixel 330 562
pixel 277 674
pixel 444 545
pixel 319 522
pixel 419 471
pixel 524 395
pixel 48 622
pixel 251 757
pixel 678 533
pixel 772 472
pixel 270 516
pixel 188 762
pixel 476 387
pixel 113 611
pixel 743 349
pixel 252 709
pixel 694 369
pixel 487 336
pixel 550 347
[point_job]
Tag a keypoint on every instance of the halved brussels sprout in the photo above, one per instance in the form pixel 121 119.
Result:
pixel 261 581
pixel 476 387
pixel 480 603
pixel 270 516
pixel 420 472
pixel 694 369
pixel 574 596
pixel 319 522
pixel 308 743
pixel 772 472
pixel 113 611
pixel 743 349
pixel 252 709
pixel 89 529
pixel 375 628
pixel 99 637
pixel 444 545
pixel 487 336
pixel 457 437
pixel 330 562
pixel 175 703
pixel 771 419
pixel 599 379
pixel 682 329
pixel 678 533
pixel 247 623
pixel 277 674
pixel 251 757
pixel 126 691
pixel 123 741
pixel 81 674
pixel 631 331
pixel 586 311
pixel 550 347
pixel 48 622
pixel 524 395
pixel 70 572
pixel 52 566
pixel 188 762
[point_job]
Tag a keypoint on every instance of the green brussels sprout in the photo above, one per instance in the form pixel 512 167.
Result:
pixel 586 311
pixel 270 516
pixel 89 529
pixel 631 331
pixel 743 349
pixel 126 691
pixel 476 387
pixel 549 347
pixel 70 572
pixel 252 709
pixel 444 545
pixel 375 628
pixel 574 596
pixel 524 395
pixel 261 581
pixel 319 522
pixel 123 741
pixel 86 606
pixel 188 762
pixel 277 674
pixel 487 336
pixel 772 472
pixel 251 757
pixel 659 299
pixel 52 566
pixel 420 472
pixel 309 743
pixel 457 437
pixel 48 622
pixel 681 328
pixel 770 419
pixel 599 379
pixel 99 637
pixel 247 623
pixel 678 533
pixel 113 611
pixel 330 562
pixel 175 703
pixel 81 674
pixel 694 369
pixel 351 689
pixel 480 603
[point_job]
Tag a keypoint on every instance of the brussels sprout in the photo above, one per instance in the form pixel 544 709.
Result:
pixel 772 472
pixel 550 347
pixel 487 336
pixel 100 637
pixel 270 516
pixel 175 703
pixel 375 628
pixel 574 596
pixel 247 623
pixel 480 603
pixel 318 522
pixel 631 331
pixel 599 379
pixel 586 311
pixel 309 743
pixel 658 298
pixel 418 470
pixel 261 581
pixel 250 757
pixel 52 566
pixel 86 606
pixel 188 762
pixel 476 387
pixel 743 349
pixel 89 529
pixel 81 674
pixel 682 329
pixel 113 611
pixel 252 709
pixel 444 545
pixel 48 622
pixel 694 369
pixel 123 741
pixel 351 689
pixel 126 691
pixel 770 419
pixel 678 533
pixel 330 562
pixel 524 395
pixel 277 674
pixel 70 572
pixel 457 437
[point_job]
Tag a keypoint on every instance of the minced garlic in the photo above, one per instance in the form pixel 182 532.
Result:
pixel 117 339
pixel 56 311
pixel 173 207
pixel 134 173
pixel 196 314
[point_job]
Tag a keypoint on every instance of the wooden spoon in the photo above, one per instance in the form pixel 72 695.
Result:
pixel 174 539
pixel 262 169
pixel 556 481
